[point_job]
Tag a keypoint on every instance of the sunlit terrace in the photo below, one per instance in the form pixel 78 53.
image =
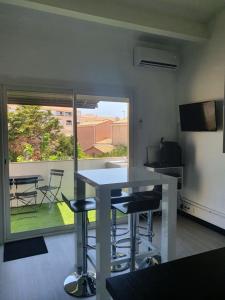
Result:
pixel 32 213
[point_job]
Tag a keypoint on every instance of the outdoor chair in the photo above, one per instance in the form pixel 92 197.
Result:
pixel 10 187
pixel 51 190
pixel 29 194
pixel 11 195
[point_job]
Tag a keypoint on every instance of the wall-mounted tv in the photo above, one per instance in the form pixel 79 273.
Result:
pixel 199 116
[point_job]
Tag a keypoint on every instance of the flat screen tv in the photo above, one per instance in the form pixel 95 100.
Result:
pixel 199 116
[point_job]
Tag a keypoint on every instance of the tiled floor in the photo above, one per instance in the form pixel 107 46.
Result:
pixel 41 277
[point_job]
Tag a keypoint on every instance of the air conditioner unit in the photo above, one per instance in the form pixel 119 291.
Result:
pixel 152 57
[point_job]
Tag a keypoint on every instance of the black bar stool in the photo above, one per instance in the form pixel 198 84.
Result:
pixel 144 201
pixel 83 285
pixel 117 197
pixel 156 192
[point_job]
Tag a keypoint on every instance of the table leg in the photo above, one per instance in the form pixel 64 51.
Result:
pixel 103 257
pixel 80 194
pixel 134 190
pixel 169 220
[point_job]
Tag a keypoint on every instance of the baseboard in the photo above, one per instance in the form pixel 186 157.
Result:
pixel 202 222
pixel 191 217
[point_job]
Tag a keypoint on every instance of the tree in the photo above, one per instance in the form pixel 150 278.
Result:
pixel 35 134
pixel 119 151
pixel 80 152
pixel 65 148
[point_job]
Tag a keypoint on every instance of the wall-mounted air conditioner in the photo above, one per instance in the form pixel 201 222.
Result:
pixel 152 57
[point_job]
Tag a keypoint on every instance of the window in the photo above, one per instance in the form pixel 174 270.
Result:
pixel 68 122
pixel 59 113
pixel 68 113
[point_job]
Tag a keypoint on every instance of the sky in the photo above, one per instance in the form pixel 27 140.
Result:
pixel 109 109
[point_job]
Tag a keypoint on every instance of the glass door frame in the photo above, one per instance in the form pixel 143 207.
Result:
pixel 4 176
pixel 8 236
pixel 116 97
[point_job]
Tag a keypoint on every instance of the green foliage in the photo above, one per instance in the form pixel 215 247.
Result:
pixel 65 146
pixel 119 151
pixel 28 152
pixel 80 153
pixel 35 134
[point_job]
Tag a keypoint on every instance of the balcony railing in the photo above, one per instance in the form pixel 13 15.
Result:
pixel 52 214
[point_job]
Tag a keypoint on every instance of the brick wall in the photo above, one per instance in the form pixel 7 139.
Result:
pixel 103 131
pixel 120 134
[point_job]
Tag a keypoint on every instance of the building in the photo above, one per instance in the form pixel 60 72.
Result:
pixel 95 134
pixel 120 133
pixel 90 133
pixel 65 116
pixel 100 148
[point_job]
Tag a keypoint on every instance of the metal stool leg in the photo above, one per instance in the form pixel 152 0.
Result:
pixel 150 260
pixel 133 223
pixel 121 266
pixel 83 285
pixel 150 225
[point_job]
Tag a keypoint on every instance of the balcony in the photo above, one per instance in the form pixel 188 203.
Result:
pixel 52 214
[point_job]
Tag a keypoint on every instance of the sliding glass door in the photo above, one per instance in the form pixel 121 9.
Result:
pixel 47 135
pixel 39 160
pixel 102 135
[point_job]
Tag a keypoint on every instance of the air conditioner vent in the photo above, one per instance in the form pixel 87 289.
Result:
pixel 150 57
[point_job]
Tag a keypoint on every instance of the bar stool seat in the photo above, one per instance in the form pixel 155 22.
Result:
pixel 125 197
pixel 84 284
pixel 142 201
pixel 78 206
pixel 152 195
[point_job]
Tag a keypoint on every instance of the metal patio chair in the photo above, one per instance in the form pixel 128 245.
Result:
pixel 51 190
pixel 11 195
pixel 29 194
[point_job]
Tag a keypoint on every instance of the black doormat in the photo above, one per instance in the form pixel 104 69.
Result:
pixel 24 248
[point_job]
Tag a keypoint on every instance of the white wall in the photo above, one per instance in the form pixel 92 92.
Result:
pixel 202 78
pixel 41 48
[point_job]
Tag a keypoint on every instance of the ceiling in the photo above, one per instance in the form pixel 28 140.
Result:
pixel 197 10
pixel 184 20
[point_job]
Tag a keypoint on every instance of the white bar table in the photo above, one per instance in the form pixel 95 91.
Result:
pixel 105 180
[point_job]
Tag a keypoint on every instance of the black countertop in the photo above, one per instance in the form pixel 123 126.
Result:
pixel 200 277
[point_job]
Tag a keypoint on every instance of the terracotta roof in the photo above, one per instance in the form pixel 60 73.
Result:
pixel 104 148
pixel 105 141
pixel 92 123
pixel 92 117
pixel 123 121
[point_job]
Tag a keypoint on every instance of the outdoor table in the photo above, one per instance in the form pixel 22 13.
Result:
pixel 12 177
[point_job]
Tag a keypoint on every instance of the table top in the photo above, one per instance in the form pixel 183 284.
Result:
pixel 199 277
pixel 123 177
pixel 26 177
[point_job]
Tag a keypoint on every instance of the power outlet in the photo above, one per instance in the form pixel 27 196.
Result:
pixel 186 207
